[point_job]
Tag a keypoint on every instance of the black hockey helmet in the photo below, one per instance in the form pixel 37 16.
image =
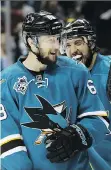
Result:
pixel 81 27
pixel 39 24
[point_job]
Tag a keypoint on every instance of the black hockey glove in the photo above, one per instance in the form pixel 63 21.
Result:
pixel 64 144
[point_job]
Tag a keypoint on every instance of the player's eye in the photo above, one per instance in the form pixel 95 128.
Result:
pixel 58 38
pixel 68 45
pixel 78 42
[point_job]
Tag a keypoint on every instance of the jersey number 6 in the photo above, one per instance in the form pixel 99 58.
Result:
pixel 91 87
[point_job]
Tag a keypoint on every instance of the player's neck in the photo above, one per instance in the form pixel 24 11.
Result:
pixel 93 61
pixel 33 64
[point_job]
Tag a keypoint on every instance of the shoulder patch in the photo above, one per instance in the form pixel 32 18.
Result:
pixel 21 85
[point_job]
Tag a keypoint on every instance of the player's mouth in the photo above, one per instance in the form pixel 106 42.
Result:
pixel 52 56
pixel 53 53
pixel 77 57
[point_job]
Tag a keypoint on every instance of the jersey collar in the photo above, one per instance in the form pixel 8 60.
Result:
pixel 48 69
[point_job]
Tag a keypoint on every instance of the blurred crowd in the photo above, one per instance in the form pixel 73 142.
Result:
pixel 97 12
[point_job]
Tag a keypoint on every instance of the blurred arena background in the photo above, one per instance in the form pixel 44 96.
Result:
pixel 13 13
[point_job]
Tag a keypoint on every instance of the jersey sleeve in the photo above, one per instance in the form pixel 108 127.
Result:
pixel 91 112
pixel 13 150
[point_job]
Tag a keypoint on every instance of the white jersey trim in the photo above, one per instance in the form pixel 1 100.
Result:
pixel 96 113
pixel 105 122
pixel 12 151
pixel 10 137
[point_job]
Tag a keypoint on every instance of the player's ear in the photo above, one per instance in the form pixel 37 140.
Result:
pixel 32 45
pixel 30 41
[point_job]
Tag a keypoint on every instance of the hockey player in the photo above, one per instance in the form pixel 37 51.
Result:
pixel 81 46
pixel 50 111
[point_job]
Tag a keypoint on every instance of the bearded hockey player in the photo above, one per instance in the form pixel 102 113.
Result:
pixel 50 111
pixel 81 46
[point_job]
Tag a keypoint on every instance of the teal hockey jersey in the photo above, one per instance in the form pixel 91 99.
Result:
pixel 101 154
pixel 99 74
pixel 34 105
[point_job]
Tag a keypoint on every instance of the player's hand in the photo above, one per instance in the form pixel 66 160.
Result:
pixel 64 144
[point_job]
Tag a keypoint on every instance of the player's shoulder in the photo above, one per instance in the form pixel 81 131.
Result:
pixel 104 59
pixel 67 63
pixel 13 71
pixel 103 63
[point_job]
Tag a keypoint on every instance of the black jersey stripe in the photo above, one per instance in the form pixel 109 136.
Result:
pixel 12 144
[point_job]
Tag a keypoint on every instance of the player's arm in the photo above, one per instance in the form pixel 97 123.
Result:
pixel 89 129
pixel 13 150
pixel 91 113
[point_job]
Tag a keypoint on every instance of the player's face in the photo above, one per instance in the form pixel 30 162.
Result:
pixel 49 47
pixel 78 49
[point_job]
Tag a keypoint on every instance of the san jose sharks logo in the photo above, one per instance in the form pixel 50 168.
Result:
pixel 48 118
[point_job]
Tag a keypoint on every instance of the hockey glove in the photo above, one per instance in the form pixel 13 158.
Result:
pixel 64 144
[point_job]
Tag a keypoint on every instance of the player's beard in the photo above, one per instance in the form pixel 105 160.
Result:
pixel 48 58
pixel 85 59
pixel 89 58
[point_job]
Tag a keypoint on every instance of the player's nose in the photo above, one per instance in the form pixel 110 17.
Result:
pixel 55 47
pixel 73 49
